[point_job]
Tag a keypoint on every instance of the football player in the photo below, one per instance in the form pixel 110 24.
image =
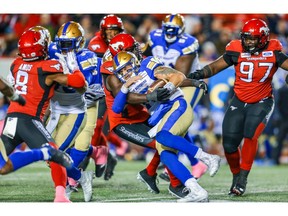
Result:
pixel 18 160
pixel 35 78
pixel 68 120
pixel 178 50
pixel 110 25
pixel 170 117
pixel 255 59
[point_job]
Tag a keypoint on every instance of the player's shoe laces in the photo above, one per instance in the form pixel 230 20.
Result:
pixel 58 156
pixel 234 181
pixel 150 181
pixel 178 191
pixel 212 162
pixel 165 176
pixel 195 192
pixel 240 186
pixel 86 184
pixel 111 163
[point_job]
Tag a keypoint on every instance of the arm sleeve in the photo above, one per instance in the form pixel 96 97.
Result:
pixel 119 102
pixel 280 57
pixel 76 80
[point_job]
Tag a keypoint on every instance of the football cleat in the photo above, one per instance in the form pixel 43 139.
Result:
pixel 234 181
pixel 195 192
pixel 86 184
pixel 212 162
pixel 150 181
pixel 240 186
pixel 178 191
pixel 111 163
pixel 58 156
pixel 165 176
pixel 199 169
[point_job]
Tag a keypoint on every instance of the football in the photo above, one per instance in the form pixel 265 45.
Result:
pixel 156 84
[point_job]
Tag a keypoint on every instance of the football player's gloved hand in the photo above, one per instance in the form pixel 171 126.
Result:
pixel 18 98
pixel 204 86
pixel 160 94
pixel 196 75
pixel 72 61
pixel 62 61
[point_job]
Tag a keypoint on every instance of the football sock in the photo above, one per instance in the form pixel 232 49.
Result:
pixel 173 180
pixel 248 153
pixel 193 160
pixel 176 142
pixel 153 165
pixel 233 160
pixel 59 175
pixel 21 159
pixel 170 159
pixel 77 156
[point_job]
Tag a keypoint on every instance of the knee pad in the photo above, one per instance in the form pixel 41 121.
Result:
pixel 231 144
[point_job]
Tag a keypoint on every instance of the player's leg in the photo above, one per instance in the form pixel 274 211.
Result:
pixel 174 126
pixel 257 116
pixel 68 127
pixel 138 134
pixel 79 152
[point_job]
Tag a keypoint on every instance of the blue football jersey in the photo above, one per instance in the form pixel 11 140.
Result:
pixel 169 53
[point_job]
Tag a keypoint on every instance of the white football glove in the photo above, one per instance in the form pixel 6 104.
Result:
pixel 72 61
pixel 62 61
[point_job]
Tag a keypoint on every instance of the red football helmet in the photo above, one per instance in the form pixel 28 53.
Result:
pixel 33 45
pixel 111 22
pixel 124 42
pixel 254 29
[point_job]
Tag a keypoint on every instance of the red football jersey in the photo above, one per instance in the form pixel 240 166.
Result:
pixel 132 114
pixel 98 45
pixel 253 73
pixel 30 83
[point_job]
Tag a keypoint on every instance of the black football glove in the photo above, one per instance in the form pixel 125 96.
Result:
pixel 19 99
pixel 204 86
pixel 196 75
pixel 160 94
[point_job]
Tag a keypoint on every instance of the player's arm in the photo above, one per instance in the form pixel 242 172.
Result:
pixel 210 69
pixel 114 85
pixel 8 91
pixel 174 77
pixel 184 63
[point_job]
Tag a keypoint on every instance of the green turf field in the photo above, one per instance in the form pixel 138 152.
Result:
pixel 34 184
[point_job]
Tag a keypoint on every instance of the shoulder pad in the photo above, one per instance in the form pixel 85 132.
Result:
pixel 87 61
pixel 97 45
pixel 151 63
pixel 52 66
pixel 275 44
pixel 234 45
pixel 188 44
pixel 106 68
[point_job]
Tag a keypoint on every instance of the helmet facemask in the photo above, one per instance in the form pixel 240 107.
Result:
pixel 171 32
pixel 125 68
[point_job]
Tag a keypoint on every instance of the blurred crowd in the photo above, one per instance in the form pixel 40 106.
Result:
pixel 213 32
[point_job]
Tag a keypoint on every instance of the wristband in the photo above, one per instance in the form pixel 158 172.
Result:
pixel 170 86
pixel 124 89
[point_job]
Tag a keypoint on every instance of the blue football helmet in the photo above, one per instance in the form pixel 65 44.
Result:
pixel 173 26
